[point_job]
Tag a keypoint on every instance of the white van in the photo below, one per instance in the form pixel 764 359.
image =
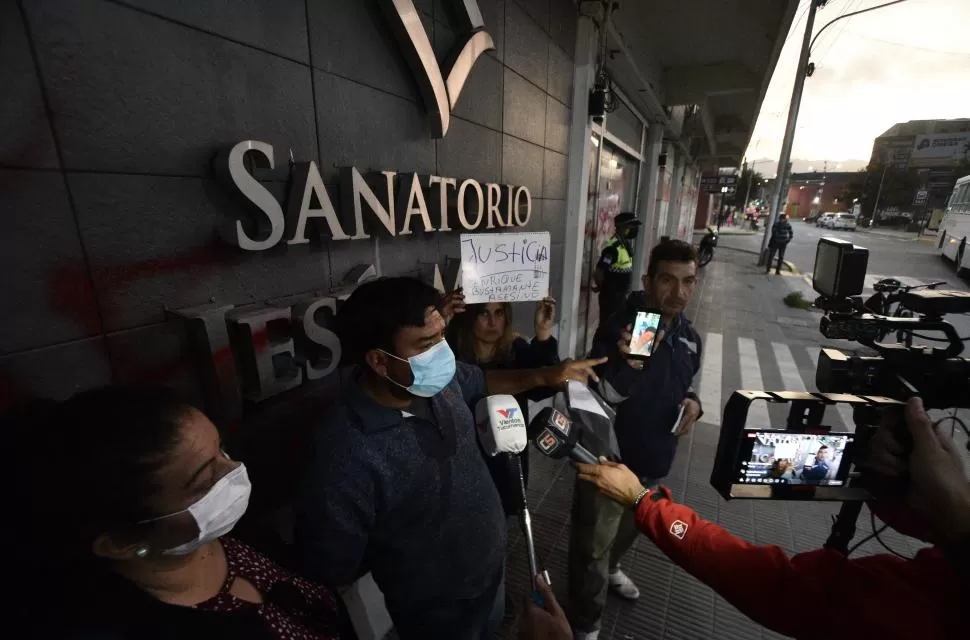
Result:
pixel 824 220
pixel 844 221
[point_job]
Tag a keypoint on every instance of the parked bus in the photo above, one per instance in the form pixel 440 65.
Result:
pixel 955 227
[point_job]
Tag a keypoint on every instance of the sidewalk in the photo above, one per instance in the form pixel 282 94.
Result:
pixel 751 340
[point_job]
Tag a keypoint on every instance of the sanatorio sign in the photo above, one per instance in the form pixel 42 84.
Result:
pixel 387 203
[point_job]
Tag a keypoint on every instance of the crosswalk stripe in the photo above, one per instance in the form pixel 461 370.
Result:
pixel 845 412
pixel 710 385
pixel 751 379
pixel 790 376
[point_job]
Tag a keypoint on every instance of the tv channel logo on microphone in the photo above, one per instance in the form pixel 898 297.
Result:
pixel 561 421
pixel 547 442
pixel 507 417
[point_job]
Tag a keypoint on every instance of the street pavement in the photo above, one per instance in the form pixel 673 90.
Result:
pixel 892 254
pixel 751 340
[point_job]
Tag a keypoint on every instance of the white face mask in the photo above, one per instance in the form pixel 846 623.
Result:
pixel 217 512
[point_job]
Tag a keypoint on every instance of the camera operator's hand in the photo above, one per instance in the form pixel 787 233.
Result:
pixel 939 489
pixel 549 623
pixel 613 479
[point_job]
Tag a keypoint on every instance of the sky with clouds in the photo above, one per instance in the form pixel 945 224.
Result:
pixel 910 61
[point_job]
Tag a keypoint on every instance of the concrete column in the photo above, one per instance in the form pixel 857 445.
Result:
pixel 675 218
pixel 649 174
pixel 577 189
pixel 664 178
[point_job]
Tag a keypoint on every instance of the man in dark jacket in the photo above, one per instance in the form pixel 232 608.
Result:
pixel 648 396
pixel 396 485
pixel 781 235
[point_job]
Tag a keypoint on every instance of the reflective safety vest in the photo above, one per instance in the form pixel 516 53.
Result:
pixel 624 261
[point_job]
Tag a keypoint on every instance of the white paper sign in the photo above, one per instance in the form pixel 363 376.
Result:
pixel 505 267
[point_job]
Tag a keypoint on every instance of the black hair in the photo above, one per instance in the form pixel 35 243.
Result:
pixel 93 460
pixel 81 468
pixel 377 310
pixel 670 251
pixel 824 446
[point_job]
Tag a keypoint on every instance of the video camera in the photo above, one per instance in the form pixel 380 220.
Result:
pixel 805 459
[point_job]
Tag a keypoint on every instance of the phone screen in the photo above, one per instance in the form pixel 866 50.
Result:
pixel 645 329
pixel 783 457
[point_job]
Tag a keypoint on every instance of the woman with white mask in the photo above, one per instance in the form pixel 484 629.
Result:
pixel 130 495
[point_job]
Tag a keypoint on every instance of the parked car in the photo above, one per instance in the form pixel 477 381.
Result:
pixel 844 221
pixel 824 219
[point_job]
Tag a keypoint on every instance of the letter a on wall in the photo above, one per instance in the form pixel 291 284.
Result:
pixel 439 92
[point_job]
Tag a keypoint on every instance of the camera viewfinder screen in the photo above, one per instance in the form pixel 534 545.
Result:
pixel 781 457
pixel 644 333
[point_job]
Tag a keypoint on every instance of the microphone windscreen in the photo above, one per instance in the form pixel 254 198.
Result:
pixel 500 425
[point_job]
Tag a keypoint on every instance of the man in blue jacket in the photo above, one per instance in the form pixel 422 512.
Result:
pixel 648 396
pixel 817 471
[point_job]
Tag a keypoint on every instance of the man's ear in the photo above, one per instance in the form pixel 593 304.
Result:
pixel 645 280
pixel 112 547
pixel 377 361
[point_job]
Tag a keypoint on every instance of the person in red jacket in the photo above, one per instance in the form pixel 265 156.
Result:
pixel 878 596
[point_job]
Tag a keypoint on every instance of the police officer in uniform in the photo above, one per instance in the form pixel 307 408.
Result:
pixel 614 270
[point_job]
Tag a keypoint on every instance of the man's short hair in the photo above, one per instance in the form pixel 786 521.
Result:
pixel 670 251
pixel 824 446
pixel 377 310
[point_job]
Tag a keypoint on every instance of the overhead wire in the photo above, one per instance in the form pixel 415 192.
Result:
pixel 831 43
pixel 849 15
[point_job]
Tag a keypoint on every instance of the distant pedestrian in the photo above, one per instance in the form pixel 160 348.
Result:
pixel 781 235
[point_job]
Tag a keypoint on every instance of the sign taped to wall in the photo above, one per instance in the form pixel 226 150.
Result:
pixel 505 267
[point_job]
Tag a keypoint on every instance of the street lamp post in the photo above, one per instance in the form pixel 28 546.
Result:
pixel 786 146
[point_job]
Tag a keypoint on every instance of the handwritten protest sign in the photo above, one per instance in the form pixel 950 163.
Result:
pixel 505 267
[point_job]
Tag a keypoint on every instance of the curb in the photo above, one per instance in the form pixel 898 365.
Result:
pixel 791 265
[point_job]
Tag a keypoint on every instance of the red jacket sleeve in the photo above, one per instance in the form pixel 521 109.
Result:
pixel 776 591
pixel 757 579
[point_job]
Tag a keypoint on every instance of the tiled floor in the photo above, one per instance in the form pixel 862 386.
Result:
pixel 737 307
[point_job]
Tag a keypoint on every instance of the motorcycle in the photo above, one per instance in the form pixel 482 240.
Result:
pixel 705 252
pixel 889 292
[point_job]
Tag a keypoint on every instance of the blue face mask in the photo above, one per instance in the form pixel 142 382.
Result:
pixel 432 370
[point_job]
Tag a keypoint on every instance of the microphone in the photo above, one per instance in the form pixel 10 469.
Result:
pixel 554 435
pixel 501 431
pixel 500 425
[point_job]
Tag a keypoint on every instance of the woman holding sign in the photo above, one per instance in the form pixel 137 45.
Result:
pixel 482 334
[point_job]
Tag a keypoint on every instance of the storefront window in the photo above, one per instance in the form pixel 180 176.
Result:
pixel 614 175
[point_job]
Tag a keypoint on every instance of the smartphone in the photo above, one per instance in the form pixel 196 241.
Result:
pixel 646 329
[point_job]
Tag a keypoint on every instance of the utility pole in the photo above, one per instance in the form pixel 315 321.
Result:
pixel 875 206
pixel 747 192
pixel 786 146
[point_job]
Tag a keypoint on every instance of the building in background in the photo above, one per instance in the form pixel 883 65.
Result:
pixel 813 193
pixel 918 161
pixel 923 144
